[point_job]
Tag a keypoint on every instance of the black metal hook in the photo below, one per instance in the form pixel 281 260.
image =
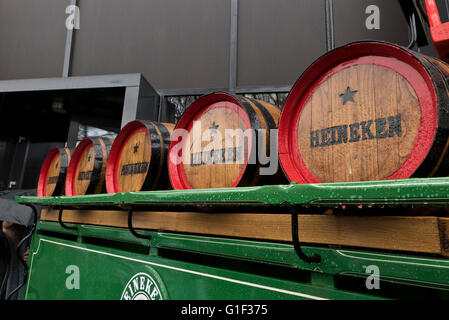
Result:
pixel 315 258
pixel 62 223
pixel 131 228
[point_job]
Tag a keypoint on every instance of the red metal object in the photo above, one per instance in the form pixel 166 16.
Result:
pixel 439 31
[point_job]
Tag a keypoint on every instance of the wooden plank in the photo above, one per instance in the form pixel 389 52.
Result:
pixel 413 234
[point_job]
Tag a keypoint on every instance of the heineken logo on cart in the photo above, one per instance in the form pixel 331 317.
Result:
pixel 141 287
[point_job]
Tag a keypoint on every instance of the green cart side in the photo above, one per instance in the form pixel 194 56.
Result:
pixel 80 261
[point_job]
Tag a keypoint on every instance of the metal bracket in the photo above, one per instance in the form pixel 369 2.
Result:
pixel 131 228
pixel 315 258
pixel 62 223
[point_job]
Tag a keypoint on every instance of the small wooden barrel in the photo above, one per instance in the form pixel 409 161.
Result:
pixel 367 111
pixel 138 158
pixel 53 172
pixel 86 171
pixel 217 144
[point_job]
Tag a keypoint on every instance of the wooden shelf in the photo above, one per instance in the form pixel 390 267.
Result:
pixel 423 234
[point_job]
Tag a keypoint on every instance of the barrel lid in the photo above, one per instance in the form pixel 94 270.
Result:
pixel 132 146
pixel 200 156
pixel 49 175
pixel 84 155
pixel 368 87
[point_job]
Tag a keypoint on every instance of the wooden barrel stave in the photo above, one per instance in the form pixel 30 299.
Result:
pixel 268 116
pixel 438 157
pixel 160 140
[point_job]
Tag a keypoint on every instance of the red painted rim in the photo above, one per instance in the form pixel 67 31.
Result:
pixel 41 187
pixel 206 103
pixel 377 53
pixel 116 151
pixel 73 165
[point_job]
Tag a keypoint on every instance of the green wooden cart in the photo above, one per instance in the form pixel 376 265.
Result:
pixel 96 261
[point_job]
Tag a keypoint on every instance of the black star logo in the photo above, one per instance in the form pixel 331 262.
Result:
pixel 213 128
pixel 136 147
pixel 348 95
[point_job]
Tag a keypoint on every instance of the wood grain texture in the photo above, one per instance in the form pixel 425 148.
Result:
pixel 86 172
pixel 53 175
pixel 444 69
pixel 346 130
pixel 85 165
pixel 138 158
pixel 136 150
pixel 216 150
pixel 203 167
pixel 410 234
pixel 106 145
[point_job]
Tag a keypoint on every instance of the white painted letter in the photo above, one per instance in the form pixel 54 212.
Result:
pixel 373 20
pixel 73 20
pixel 373 281
pixel 73 280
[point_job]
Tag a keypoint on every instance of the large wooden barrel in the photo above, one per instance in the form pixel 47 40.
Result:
pixel 215 142
pixel 53 173
pixel 87 168
pixel 138 158
pixel 367 111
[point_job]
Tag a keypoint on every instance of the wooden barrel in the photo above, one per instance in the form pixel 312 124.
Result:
pixel 205 154
pixel 53 172
pixel 87 168
pixel 367 111
pixel 138 158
